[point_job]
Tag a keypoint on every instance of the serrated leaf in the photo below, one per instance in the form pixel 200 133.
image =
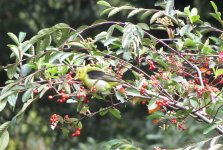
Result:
pixel 4 140
pixel 103 3
pixel 134 12
pixel 13 37
pixel 156 16
pixel 115 112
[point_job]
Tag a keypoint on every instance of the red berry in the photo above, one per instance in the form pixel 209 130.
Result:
pixel 144 102
pixel 35 91
pixel 78 132
pixel 66 116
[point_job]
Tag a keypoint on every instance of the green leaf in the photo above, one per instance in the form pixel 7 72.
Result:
pixel 105 11
pixel 6 94
pixel 110 31
pixel 4 126
pixel 211 64
pixel 12 100
pixel 27 95
pixel 134 12
pixel 47 31
pixel 132 92
pixel 115 112
pixel 211 127
pixel 119 96
pixel 144 26
pixel 11 71
pixel 214 6
pixel 103 3
pixel 25 70
pixel 4 140
pixel 42 44
pixel 22 36
pixel 194 102
pixel 16 51
pixel 13 37
pixel 102 113
pixel 169 8
pixel 118 9
pixel 218 72
pixel 156 16
pixel 76 44
pixel 146 14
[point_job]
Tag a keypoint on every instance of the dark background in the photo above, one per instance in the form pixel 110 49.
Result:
pixel 34 133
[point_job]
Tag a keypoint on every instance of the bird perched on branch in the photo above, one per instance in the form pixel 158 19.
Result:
pixel 94 77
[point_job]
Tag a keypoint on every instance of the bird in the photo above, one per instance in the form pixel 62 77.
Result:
pixel 94 77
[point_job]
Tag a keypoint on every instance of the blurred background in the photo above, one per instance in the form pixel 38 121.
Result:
pixel 34 133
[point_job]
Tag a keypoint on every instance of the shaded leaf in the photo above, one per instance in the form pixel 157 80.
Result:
pixel 115 112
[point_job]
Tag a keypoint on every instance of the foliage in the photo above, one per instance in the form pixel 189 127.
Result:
pixel 176 75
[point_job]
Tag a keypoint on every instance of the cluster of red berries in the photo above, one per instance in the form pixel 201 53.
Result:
pixel 77 132
pixel 200 91
pixel 81 94
pixel 162 102
pixel 70 79
pixel 63 96
pixel 54 119
pixel 151 65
